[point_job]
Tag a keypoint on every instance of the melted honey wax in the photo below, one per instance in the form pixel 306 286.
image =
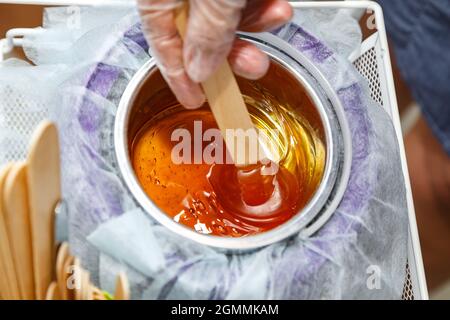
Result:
pixel 221 199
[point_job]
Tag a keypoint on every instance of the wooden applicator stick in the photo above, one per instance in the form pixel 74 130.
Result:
pixel 227 104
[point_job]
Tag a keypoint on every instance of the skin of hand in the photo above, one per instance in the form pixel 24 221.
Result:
pixel 210 39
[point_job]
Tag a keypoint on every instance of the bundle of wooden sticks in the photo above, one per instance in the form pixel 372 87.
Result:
pixel 73 283
pixel 29 193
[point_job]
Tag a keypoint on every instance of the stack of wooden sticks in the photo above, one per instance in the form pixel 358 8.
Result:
pixel 73 283
pixel 29 192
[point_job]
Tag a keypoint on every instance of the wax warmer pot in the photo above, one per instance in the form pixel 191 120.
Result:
pixel 290 76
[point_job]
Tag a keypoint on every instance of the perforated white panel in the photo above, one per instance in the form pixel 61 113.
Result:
pixel 367 66
pixel 408 290
pixel 19 116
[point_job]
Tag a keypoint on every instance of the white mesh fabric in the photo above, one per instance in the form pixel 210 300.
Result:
pixel 21 110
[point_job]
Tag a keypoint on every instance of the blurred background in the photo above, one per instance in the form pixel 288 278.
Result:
pixel 14 16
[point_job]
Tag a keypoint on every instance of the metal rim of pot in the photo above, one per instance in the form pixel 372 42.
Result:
pixel 337 135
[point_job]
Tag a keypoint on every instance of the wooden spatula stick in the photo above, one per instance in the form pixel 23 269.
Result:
pixel 44 191
pixel 227 104
pixel 122 287
pixel 15 196
pixel 8 277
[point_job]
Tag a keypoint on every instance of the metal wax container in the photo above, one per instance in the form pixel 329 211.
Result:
pixel 291 73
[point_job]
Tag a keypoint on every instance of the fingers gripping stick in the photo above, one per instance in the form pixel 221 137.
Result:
pixel 226 101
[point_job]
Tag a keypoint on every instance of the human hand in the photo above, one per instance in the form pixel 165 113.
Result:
pixel 209 40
